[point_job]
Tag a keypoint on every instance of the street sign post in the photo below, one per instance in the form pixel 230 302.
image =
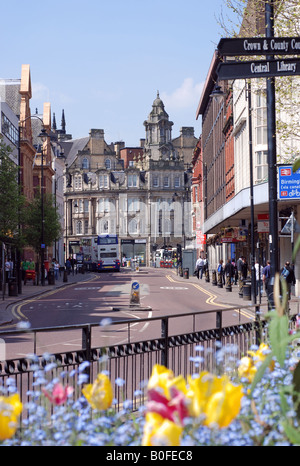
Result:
pixel 259 46
pixel 259 69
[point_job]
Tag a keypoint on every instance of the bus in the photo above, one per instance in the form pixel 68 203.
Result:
pixel 108 253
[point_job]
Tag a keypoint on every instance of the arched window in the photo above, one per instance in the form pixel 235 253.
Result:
pixel 107 163
pixel 79 227
pixel 85 163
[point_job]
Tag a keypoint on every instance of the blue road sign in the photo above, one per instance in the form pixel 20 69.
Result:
pixel 289 183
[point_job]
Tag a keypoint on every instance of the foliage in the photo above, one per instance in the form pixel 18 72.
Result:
pixel 11 201
pixel 33 222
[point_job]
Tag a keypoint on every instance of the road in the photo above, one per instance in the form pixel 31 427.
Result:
pixel 106 297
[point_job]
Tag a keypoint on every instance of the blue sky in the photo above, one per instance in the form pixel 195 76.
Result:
pixel 103 61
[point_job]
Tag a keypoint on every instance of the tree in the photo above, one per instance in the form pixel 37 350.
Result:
pixel 11 201
pixel 248 21
pixel 32 229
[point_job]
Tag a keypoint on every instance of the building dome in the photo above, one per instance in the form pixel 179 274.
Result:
pixel 158 102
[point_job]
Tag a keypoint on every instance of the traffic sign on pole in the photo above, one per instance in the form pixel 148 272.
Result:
pixel 259 69
pixel 259 46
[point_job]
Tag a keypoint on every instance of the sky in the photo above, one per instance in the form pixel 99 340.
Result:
pixel 103 61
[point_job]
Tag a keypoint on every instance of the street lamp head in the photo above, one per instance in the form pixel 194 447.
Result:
pixel 217 93
pixel 43 135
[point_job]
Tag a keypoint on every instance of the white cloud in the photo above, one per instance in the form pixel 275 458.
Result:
pixel 40 91
pixel 187 95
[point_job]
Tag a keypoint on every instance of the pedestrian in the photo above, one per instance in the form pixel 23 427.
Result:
pixel 267 275
pixel 68 266
pixel 56 269
pixel 7 269
pixel 235 272
pixel 289 276
pixel 199 267
pixel 258 278
pixel 229 270
pixel 221 272
pixel 244 268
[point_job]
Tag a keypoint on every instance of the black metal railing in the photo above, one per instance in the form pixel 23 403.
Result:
pixel 133 360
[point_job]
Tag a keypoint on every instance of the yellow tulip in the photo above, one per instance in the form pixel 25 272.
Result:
pixel 160 432
pixel 247 369
pixel 100 393
pixel 215 398
pixel 223 406
pixel 10 409
pixel 248 365
pixel 160 378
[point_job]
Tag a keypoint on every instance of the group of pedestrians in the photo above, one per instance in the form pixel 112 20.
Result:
pixel 234 271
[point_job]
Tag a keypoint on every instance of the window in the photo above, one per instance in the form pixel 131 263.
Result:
pixel 261 165
pixel 104 204
pixel 86 227
pixel 166 181
pixel 85 163
pixel 132 181
pixel 133 226
pixel 77 182
pixel 155 181
pixel 177 182
pixel 103 181
pixel 9 130
pixel 133 204
pixel 107 164
pixel 261 119
pixel 79 227
pixel 86 205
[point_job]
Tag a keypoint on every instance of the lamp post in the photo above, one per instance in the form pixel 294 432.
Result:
pixel 272 170
pixel 43 135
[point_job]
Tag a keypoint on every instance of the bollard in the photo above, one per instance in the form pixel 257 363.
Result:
pixel 228 285
pixel 214 278
pixel 220 282
pixel 207 275
pixel 135 294
pixel 65 279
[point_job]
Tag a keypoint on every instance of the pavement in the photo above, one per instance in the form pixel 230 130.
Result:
pixel 223 296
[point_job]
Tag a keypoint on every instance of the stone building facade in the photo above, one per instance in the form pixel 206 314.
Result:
pixel 141 194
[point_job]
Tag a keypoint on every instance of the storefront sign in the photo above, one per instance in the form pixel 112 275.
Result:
pixel 263 223
pixel 201 238
pixel 234 235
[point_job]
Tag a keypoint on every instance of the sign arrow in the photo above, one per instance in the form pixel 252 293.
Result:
pixel 259 46
pixel 259 69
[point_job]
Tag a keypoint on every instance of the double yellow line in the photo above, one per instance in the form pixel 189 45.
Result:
pixel 212 297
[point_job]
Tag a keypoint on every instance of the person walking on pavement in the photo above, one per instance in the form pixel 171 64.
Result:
pixel 229 271
pixel 221 272
pixel 289 276
pixel 199 267
pixel 267 275
pixel 258 276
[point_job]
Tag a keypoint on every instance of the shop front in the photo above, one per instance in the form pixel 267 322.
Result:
pixel 134 250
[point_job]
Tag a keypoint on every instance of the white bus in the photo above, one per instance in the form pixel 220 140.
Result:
pixel 108 253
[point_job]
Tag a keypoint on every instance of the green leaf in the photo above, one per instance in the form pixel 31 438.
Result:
pixel 296 165
pixel 296 248
pixel 278 331
pixel 261 370
pixel 292 434
pixel 296 389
